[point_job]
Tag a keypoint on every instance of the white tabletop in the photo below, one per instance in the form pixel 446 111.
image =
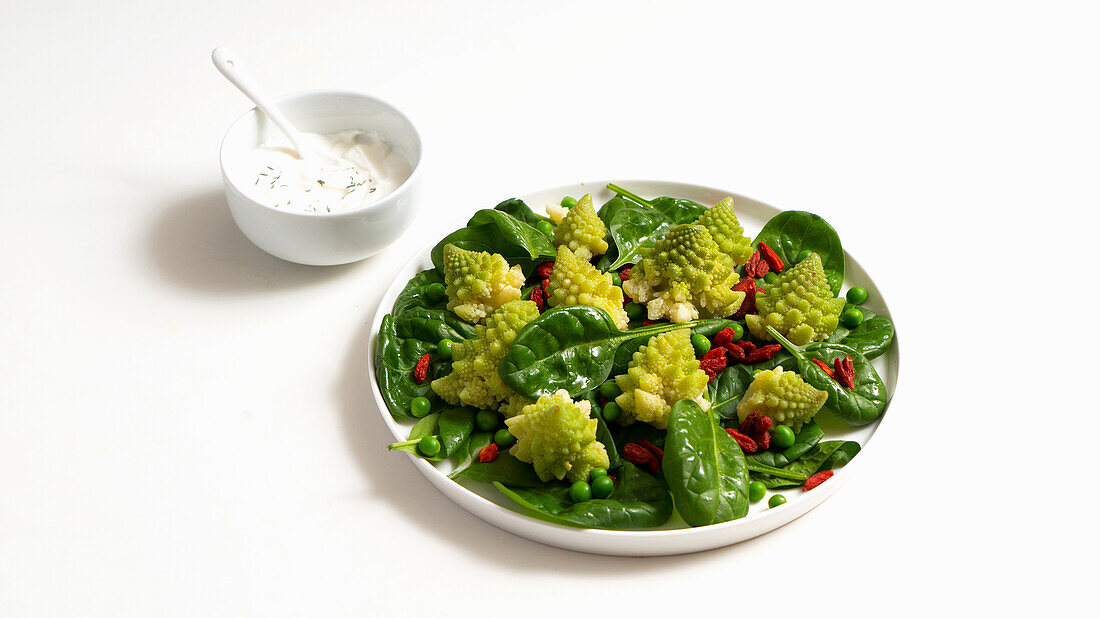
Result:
pixel 187 424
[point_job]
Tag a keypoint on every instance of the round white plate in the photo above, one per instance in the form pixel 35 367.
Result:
pixel 675 537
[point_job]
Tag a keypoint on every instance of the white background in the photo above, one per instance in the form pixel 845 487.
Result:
pixel 187 425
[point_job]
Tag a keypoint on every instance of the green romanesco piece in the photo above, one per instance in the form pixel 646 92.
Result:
pixel 474 379
pixel 558 436
pixel 478 282
pixel 685 276
pixel 722 223
pixel 782 395
pixel 662 372
pixel 575 281
pixel 515 405
pixel 799 305
pixel 582 231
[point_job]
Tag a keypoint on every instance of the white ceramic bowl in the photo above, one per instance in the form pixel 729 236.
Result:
pixel 322 239
pixel 675 537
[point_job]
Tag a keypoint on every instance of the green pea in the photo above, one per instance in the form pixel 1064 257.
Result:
pixel 757 491
pixel 486 420
pixel 616 280
pixel 568 202
pixel 611 411
pixel 602 486
pixel 776 500
pixel 738 332
pixel 634 311
pixel 782 436
pixel 771 278
pixel 429 446
pixel 701 345
pixel 444 349
pixel 857 295
pixel 420 406
pixel 580 491
pixel 610 390
pixel 436 292
pixel 803 254
pixel 596 473
pixel 504 438
pixel 544 227
pixel 852 317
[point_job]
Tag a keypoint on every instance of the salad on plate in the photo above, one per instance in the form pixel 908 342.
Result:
pixel 638 363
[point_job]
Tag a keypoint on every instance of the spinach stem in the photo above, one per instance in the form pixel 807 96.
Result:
pixel 776 472
pixel 787 345
pixel 634 196
pixel 397 445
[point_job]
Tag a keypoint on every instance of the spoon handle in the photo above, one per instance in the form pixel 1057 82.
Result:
pixel 231 67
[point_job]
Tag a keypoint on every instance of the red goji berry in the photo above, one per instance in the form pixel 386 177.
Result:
pixel 735 352
pixel 821 364
pixel 757 426
pixel 624 274
pixel 641 457
pixel 714 365
pixel 747 444
pixel 488 453
pixel 747 346
pixel 544 269
pixel 750 266
pixel 763 353
pixel 817 479
pixel 771 257
pixel 723 337
pixel 651 447
pixel 845 371
pixel 748 286
pixel 420 372
pixel 538 295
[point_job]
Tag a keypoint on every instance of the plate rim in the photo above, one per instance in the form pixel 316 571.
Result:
pixel 617 542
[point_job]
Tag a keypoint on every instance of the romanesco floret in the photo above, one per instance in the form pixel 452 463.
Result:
pixel 662 372
pixel 582 231
pixel 474 380
pixel 800 305
pixel 685 276
pixel 575 281
pixel 558 436
pixel 722 223
pixel 478 282
pixel 782 395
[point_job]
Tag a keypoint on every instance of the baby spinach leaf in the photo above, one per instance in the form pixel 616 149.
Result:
pixel 423 427
pixel 394 359
pixel 455 427
pixel 842 455
pixel 810 435
pixel 823 456
pixel 708 328
pixel 603 433
pixel 705 469
pixel 432 325
pixel 520 210
pixel 727 389
pixel 678 210
pixel 857 406
pixel 496 231
pixel 792 231
pixel 639 501
pixel 634 228
pixel 504 469
pixel 467 454
pixel 871 338
pixel 568 347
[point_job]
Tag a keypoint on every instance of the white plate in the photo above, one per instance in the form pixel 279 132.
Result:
pixel 675 537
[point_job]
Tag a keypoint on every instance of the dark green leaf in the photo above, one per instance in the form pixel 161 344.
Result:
pixel 520 210
pixel 467 454
pixel 791 231
pixel 603 432
pixel 871 338
pixel 857 406
pixel 678 210
pixel 639 501
pixel 633 228
pixel 495 231
pixel 504 469
pixel 423 427
pixel 823 456
pixel 727 389
pixel 394 359
pixel 455 427
pixel 704 468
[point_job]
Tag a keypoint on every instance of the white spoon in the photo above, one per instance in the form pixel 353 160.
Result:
pixel 231 67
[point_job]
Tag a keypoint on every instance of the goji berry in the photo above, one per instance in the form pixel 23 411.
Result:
pixel 544 269
pixel 821 364
pixel 714 365
pixel 488 453
pixel 748 286
pixel 770 256
pixel 752 264
pixel 624 274
pixel 845 371
pixel 649 322
pixel 641 457
pixel 747 444
pixel 763 353
pixel 735 352
pixel 747 346
pixel 723 337
pixel 420 372
pixel 757 426
pixel 652 448
pixel 817 479
pixel 538 295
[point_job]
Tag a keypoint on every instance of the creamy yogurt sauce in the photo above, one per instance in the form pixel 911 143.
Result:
pixel 366 168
